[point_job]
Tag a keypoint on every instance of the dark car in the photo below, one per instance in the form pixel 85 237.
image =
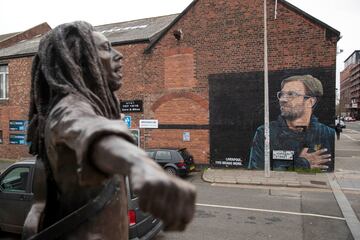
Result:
pixel 175 161
pixel 16 196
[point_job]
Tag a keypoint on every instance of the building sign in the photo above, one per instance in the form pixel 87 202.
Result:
pixel 127 120
pixel 18 125
pixel 149 123
pixel 283 155
pixel 231 162
pixel 19 139
pixel 131 106
pixel 186 136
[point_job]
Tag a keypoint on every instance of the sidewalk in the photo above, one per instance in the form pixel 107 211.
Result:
pixel 348 180
pixel 277 178
pixel 347 170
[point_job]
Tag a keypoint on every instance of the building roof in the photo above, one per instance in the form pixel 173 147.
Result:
pixel 287 4
pixel 311 18
pixel 149 30
pixel 165 30
pixel 21 49
pixel 355 52
pixel 141 30
pixel 6 36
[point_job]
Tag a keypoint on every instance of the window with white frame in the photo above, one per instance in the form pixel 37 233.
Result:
pixel 4 84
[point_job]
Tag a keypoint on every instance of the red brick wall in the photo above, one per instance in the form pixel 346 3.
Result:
pixel 179 68
pixel 16 108
pixel 218 37
pixel 133 87
pixel 198 145
pixel 223 37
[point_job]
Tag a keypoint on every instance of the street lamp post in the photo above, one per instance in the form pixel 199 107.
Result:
pixel 266 101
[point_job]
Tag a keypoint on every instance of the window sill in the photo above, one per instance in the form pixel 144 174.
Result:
pixel 4 100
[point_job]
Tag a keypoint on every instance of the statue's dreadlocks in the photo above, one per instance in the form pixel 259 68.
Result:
pixel 67 62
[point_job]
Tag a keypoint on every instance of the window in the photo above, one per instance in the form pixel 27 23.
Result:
pixel 4 86
pixel 16 180
pixel 1 137
pixel 163 155
pixel 150 154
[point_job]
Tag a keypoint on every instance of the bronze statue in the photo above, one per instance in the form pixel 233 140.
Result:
pixel 76 132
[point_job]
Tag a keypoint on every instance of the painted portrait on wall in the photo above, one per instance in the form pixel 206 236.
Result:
pixel 297 139
pixel 301 107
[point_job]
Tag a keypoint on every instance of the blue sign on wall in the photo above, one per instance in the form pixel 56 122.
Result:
pixel 127 120
pixel 19 139
pixel 18 125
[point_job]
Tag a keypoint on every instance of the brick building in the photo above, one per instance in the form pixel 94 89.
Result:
pixel 199 74
pixel 350 86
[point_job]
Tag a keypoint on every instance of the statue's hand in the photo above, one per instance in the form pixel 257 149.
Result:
pixel 166 197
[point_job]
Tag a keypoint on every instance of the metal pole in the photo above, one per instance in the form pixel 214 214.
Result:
pixel 266 101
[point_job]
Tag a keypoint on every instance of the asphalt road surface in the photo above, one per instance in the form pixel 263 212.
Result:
pixel 234 212
pixel 254 213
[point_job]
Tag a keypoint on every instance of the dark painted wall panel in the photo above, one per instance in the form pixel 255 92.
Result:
pixel 237 109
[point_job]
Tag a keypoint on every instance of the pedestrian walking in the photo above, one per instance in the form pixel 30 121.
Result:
pixel 338 130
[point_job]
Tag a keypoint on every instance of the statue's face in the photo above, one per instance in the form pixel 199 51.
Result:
pixel 110 59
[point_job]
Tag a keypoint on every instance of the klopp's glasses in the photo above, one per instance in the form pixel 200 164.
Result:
pixel 291 95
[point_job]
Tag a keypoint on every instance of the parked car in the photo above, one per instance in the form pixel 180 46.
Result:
pixel 16 196
pixel 349 119
pixel 175 161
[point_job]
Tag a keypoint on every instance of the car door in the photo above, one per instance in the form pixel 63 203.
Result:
pixel 15 197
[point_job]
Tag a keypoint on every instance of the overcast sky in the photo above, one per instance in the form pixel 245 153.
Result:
pixel 19 15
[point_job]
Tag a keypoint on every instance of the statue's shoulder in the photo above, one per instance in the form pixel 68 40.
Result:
pixel 71 105
pixel 73 101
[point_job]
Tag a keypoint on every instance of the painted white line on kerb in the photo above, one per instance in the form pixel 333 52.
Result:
pixel 351 220
pixel 271 211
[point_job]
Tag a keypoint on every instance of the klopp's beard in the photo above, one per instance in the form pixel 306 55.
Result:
pixel 291 113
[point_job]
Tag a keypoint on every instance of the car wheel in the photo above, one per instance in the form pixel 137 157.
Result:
pixel 171 171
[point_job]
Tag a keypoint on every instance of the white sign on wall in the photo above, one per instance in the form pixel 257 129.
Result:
pixel 283 155
pixel 149 123
pixel 186 136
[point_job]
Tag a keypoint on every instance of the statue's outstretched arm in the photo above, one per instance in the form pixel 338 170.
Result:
pixel 166 197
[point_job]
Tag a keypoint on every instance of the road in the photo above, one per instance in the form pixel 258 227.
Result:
pixel 248 213
pixel 353 125
pixel 348 164
pixel 306 214
pixel 233 212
